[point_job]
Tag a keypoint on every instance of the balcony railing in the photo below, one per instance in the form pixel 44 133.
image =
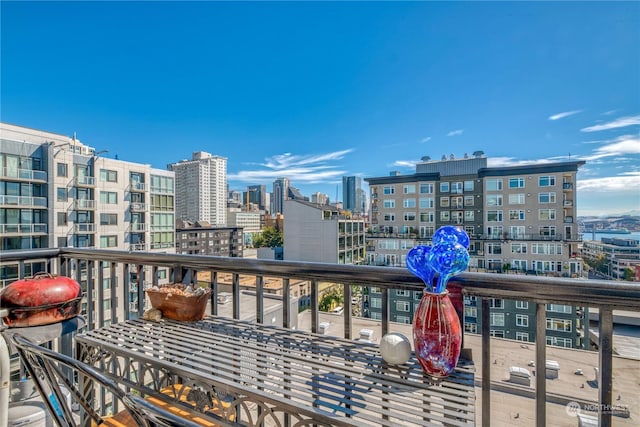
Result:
pixel 23 201
pixel 115 267
pixel 84 227
pixel 26 174
pixel 23 228
pixel 84 204
pixel 138 187
pixel 138 207
pixel 138 227
pixel 84 181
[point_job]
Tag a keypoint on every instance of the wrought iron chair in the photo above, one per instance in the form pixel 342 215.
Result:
pixel 51 370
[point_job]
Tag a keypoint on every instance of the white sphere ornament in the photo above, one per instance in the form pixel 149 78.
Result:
pixel 395 348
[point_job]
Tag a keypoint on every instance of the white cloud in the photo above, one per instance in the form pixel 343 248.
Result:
pixel 427 139
pixel 564 114
pixel 609 113
pixel 496 162
pixel 615 124
pixel 308 169
pixel 625 144
pixel 627 182
pixel 456 132
pixel 405 163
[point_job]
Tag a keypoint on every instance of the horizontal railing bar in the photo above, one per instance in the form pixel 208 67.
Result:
pixel 592 293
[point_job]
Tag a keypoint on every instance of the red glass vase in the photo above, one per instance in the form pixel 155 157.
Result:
pixel 437 336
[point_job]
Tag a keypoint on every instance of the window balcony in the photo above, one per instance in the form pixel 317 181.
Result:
pixel 138 187
pixel 138 227
pixel 23 228
pixel 24 174
pixel 24 201
pixel 545 400
pixel 84 227
pixel 84 181
pixel 84 204
pixel 138 207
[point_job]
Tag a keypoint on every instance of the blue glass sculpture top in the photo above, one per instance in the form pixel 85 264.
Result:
pixel 448 256
pixel 417 264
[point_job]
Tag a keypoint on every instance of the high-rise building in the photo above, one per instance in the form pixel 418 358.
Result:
pixel 280 194
pixel 353 196
pixel 56 191
pixel 520 220
pixel 257 195
pixel 201 184
pixel 320 198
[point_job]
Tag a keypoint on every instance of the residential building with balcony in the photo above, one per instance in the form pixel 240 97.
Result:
pixel 57 192
pixel 201 188
pixel 202 238
pixel 519 219
pixel 248 221
pixel 322 233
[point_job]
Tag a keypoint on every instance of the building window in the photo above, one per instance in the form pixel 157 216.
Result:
pixel 559 308
pixel 469 216
pixel 62 218
pixel 518 248
pixel 522 336
pixel 468 200
pixel 444 216
pixel 409 216
pixel 389 217
pixel 559 342
pixel 516 215
pixel 376 302
pixel 456 187
pixel 563 325
pixel 522 305
pixel 108 219
pixel 471 312
pixel 409 189
pixel 426 203
pixel 494 248
pixel 546 214
pixel 496 319
pixel 468 185
pixel 494 184
pixel 496 303
pixel 403 293
pixel 522 320
pixel 546 181
pixel 546 197
pixel 403 319
pixel 494 216
pixel 108 241
pixel 494 200
pixel 108 197
pixel 61 194
pixel 444 202
pixel 516 199
pixel 62 169
pixel 444 187
pixel 388 190
pixel 389 204
pixel 427 217
pixel 107 175
pixel 548 231
pixel 471 328
pixel 403 306
pixel 426 188
pixel 409 203
pixel 516 182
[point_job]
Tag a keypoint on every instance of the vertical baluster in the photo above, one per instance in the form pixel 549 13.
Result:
pixel 486 363
pixel 314 306
pixel 541 365
pixel 90 295
pixel 236 295
pixel 113 286
pixel 286 303
pixel 259 299
pixel 385 311
pixel 100 295
pixel 126 284
pixel 214 292
pixel 346 312
pixel 605 376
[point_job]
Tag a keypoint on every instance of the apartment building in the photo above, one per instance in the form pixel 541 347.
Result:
pixel 56 191
pixel 201 188
pixel 353 196
pixel 520 219
pixel 322 233
pixel 202 238
pixel 249 222
pixel 613 256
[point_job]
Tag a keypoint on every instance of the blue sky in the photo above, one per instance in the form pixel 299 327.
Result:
pixel 314 91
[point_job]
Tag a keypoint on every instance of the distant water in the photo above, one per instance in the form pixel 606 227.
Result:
pixel 590 236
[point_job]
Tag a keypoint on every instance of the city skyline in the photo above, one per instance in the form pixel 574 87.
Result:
pixel 317 91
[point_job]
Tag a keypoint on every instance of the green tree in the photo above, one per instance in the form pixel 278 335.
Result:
pixel 331 298
pixel 268 238
pixel 629 274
